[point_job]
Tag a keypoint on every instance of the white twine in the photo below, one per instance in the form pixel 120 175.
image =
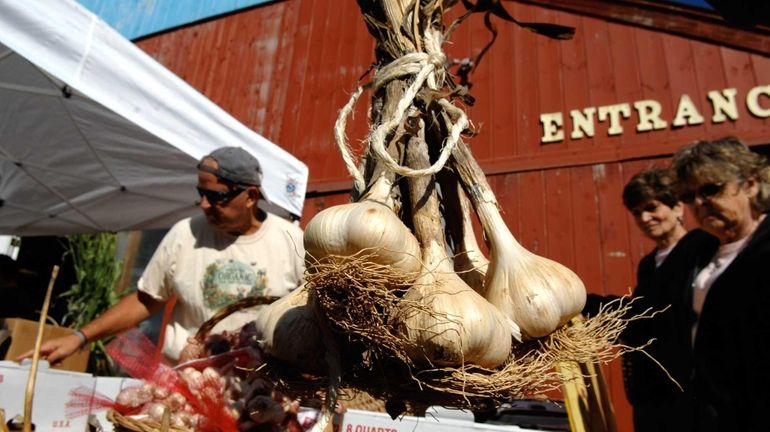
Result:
pixel 427 67
pixel 342 142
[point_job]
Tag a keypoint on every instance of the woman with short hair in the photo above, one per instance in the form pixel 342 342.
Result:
pixel 727 186
pixel 664 278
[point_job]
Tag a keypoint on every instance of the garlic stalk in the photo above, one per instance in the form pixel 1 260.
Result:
pixel 469 262
pixel 368 225
pixel 539 294
pixel 445 321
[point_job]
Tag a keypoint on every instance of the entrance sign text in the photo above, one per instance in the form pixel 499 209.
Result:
pixel 724 106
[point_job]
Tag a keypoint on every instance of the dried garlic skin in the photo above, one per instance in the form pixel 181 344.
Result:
pixel 538 294
pixel 348 229
pixel 460 328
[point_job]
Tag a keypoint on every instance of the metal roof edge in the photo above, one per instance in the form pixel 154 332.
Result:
pixel 691 22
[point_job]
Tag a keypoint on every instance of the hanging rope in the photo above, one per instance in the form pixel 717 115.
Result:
pixel 428 68
pixel 342 142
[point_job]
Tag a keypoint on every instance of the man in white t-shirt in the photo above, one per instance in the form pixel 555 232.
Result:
pixel 231 251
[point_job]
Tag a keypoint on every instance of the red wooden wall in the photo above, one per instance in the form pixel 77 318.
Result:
pixel 285 69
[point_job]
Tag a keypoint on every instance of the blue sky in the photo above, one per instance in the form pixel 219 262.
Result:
pixel 137 18
pixel 698 3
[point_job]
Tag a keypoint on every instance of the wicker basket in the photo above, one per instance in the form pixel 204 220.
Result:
pixel 244 303
pixel 122 423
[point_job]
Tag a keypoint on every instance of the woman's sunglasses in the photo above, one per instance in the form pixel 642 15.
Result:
pixel 705 192
pixel 217 197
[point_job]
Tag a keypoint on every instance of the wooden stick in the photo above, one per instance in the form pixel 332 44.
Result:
pixel 586 397
pixel 602 413
pixel 36 355
pixel 3 427
pixel 574 390
pixel 165 423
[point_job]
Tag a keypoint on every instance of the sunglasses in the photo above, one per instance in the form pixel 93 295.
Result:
pixel 221 198
pixel 705 192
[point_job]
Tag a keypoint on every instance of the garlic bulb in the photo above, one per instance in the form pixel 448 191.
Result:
pixel 539 294
pixel 348 229
pixel 290 332
pixel 461 326
pixel 135 396
pixel 155 410
pixel 446 322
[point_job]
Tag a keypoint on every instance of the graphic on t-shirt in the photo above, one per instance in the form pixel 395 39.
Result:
pixel 228 281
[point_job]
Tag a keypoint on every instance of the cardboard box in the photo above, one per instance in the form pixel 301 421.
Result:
pixel 52 391
pixel 435 420
pixel 22 339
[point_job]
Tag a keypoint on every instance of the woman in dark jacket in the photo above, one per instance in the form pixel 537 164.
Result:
pixel 664 278
pixel 727 186
pixel 660 403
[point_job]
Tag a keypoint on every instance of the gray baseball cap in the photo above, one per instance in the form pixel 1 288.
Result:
pixel 235 165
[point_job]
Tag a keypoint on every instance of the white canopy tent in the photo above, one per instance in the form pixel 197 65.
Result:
pixel 97 136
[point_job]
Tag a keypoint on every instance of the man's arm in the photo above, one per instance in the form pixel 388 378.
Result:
pixel 127 313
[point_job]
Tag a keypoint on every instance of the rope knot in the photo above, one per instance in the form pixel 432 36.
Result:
pixel 438 60
pixel 428 69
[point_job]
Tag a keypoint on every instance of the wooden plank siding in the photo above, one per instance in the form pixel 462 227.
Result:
pixel 286 68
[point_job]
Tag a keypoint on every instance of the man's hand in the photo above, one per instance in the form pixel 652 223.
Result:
pixel 126 314
pixel 56 350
